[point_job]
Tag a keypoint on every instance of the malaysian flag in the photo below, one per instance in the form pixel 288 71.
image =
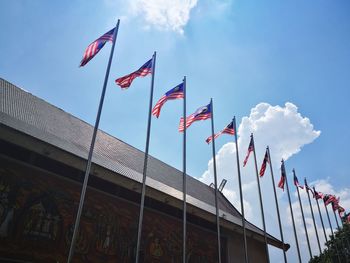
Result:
pixel 202 113
pixel 228 130
pixel 335 204
pixel 296 182
pixel 144 70
pixel 173 94
pixel 283 177
pixel 346 218
pixel 341 211
pixel 264 163
pixel 250 149
pixel 327 199
pixel 318 195
pixel 96 46
pixel 307 188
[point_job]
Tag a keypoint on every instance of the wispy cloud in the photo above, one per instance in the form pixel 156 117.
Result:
pixel 163 14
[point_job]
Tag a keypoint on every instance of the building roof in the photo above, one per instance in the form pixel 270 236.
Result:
pixel 33 116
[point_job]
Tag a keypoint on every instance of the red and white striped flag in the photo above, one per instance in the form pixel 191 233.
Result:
pixel 318 195
pixel 283 177
pixel 173 94
pixel 228 130
pixel 296 182
pixel 250 149
pixel 327 199
pixel 264 163
pixel 144 70
pixel 96 46
pixel 202 113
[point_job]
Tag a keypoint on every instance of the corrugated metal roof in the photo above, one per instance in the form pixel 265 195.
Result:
pixel 33 116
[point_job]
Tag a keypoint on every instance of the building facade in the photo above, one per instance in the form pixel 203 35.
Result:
pixel 43 152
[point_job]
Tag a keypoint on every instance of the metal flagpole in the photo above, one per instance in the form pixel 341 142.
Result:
pixel 291 212
pixel 92 145
pixel 215 182
pixel 276 202
pixel 341 221
pixel 139 230
pixel 336 219
pixel 330 225
pixel 319 211
pixel 184 181
pixel 261 202
pixel 302 214
pixel 329 220
pixel 241 195
pixel 346 239
pixel 313 217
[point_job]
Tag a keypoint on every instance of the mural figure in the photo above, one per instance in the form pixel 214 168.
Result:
pixel 41 222
pixel 81 243
pixel 7 203
pixel 36 222
pixel 156 250
pixel 107 235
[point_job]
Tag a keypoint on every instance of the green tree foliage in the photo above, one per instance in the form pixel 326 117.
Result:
pixel 337 248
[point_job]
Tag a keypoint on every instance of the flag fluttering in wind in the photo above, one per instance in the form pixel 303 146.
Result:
pixel 144 70
pixel 173 94
pixel 341 211
pixel 228 130
pixel 307 188
pixel 296 182
pixel 327 199
pixel 283 177
pixel 318 195
pixel 335 204
pixel 264 163
pixel 347 218
pixel 201 113
pixel 250 149
pixel 96 46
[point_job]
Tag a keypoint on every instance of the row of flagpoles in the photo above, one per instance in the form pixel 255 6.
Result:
pixel 202 113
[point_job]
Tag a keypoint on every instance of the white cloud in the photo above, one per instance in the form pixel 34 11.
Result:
pixel 163 14
pixel 283 128
pixel 286 131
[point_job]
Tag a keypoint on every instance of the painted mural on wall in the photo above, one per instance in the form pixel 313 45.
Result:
pixel 36 224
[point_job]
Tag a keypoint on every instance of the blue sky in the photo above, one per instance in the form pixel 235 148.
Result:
pixel 240 53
